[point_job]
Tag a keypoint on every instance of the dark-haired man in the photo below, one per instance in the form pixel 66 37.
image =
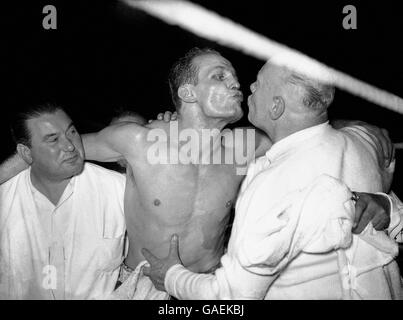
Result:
pixel 62 226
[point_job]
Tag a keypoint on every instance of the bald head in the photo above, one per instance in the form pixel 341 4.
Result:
pixel 285 101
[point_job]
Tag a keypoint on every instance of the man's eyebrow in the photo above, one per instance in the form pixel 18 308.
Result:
pixel 223 68
pixel 70 125
pixel 50 135
pixel 216 68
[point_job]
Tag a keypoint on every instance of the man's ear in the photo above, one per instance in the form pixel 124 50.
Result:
pixel 277 108
pixel 186 93
pixel 25 153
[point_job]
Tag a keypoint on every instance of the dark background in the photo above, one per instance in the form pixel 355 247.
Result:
pixel 105 55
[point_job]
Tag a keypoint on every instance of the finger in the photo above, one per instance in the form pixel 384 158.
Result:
pixel 360 207
pixel 380 154
pixel 366 217
pixel 380 222
pixel 147 271
pixel 149 256
pixel 149 121
pixel 160 116
pixel 167 116
pixel 174 115
pixel 377 221
pixel 386 146
pixel 174 246
pixel 393 154
pixel 380 226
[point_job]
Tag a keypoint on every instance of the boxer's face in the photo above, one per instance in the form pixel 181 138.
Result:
pixel 56 147
pixel 217 90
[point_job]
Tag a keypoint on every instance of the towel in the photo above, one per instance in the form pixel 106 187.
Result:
pixel 138 287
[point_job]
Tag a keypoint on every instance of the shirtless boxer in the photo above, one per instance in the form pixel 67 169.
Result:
pixel 191 200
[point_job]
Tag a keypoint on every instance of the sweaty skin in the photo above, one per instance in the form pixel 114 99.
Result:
pixel 191 200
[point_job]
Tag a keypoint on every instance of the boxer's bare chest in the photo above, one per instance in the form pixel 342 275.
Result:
pixel 176 192
pixel 191 201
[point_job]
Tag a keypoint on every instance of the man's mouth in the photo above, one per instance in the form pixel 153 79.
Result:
pixel 238 95
pixel 71 159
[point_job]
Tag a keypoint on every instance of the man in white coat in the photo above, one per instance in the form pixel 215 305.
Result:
pixel 62 226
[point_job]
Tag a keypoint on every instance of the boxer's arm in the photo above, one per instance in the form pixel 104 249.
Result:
pixel 11 167
pixel 380 136
pixel 384 211
pixel 114 142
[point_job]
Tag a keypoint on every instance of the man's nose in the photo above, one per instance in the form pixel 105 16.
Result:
pixel 68 145
pixel 235 85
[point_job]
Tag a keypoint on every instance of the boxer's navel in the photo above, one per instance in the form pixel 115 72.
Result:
pixel 157 202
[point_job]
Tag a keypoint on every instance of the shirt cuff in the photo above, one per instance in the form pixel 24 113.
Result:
pixel 396 222
pixel 170 278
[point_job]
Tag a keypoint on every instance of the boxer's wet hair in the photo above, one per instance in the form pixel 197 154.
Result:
pixel 184 71
pixel 18 126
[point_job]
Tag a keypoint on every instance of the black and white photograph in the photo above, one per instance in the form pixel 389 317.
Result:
pixel 201 150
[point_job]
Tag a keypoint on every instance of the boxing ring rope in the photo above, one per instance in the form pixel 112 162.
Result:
pixel 209 25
